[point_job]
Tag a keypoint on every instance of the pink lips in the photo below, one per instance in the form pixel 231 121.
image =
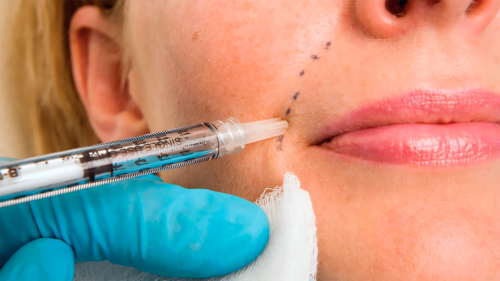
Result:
pixel 422 128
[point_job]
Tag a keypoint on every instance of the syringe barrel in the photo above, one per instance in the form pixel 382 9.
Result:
pixel 108 162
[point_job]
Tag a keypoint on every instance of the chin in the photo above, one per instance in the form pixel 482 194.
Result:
pixel 450 241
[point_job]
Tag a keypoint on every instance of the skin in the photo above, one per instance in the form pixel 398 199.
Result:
pixel 194 61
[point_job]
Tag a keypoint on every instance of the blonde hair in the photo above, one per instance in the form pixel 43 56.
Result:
pixel 40 75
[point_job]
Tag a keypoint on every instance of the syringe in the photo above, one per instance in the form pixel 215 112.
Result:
pixel 62 172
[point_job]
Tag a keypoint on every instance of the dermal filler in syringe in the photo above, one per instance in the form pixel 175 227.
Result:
pixel 58 173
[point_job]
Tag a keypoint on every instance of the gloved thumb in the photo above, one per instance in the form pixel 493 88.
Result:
pixel 40 259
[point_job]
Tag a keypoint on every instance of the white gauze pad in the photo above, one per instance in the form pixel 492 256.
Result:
pixel 291 253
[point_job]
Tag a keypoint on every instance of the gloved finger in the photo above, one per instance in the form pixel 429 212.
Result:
pixel 155 227
pixel 41 259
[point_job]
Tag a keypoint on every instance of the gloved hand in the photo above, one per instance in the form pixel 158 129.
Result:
pixel 153 226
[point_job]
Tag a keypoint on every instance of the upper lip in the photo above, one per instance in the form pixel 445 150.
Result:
pixel 420 106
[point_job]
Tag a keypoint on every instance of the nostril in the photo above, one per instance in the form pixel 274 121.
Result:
pixel 396 7
pixel 474 5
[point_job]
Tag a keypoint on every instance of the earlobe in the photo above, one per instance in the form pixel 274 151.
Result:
pixel 96 55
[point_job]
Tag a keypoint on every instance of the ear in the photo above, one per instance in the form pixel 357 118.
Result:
pixel 96 55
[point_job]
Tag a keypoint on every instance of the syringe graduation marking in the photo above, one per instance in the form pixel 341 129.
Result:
pixel 93 147
pixel 157 148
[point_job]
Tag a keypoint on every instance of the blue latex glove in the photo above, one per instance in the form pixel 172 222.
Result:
pixel 153 226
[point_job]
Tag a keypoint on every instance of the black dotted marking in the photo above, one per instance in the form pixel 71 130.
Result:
pixel 296 95
pixel 280 138
pixel 278 147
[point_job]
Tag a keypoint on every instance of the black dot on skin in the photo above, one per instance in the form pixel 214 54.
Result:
pixel 280 138
pixel 296 95
pixel 278 147
pixel 288 111
pixel 302 73
pixel 328 44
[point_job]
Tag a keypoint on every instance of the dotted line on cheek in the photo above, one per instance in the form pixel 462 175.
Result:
pixel 297 94
pixel 302 73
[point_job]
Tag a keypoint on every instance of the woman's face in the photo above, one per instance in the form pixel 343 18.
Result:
pixel 419 201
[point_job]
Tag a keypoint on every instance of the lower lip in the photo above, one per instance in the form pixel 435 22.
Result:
pixel 422 145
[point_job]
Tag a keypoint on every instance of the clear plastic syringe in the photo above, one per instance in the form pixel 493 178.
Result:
pixel 58 173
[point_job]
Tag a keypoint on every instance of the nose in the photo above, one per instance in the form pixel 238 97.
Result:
pixel 391 18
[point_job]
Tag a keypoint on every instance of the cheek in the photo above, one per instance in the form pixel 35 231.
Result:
pixel 205 60
pixel 241 58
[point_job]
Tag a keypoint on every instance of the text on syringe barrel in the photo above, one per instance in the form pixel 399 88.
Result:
pixel 114 160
